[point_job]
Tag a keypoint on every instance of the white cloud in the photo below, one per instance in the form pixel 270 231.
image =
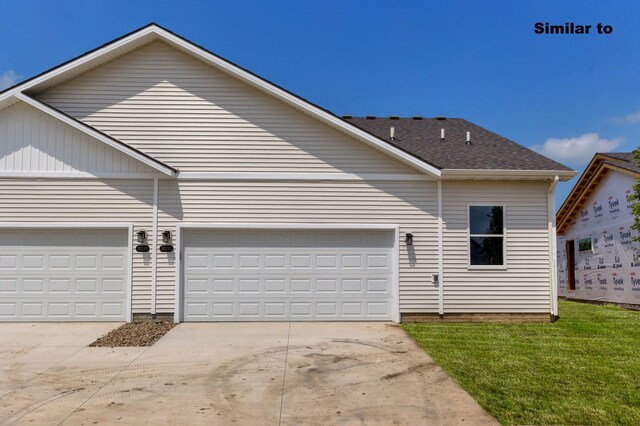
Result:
pixel 576 151
pixel 632 118
pixel 8 79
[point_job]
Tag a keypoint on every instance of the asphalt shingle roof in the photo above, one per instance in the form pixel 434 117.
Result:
pixel 487 150
pixel 622 159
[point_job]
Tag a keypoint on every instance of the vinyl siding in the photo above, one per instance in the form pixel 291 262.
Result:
pixel 412 205
pixel 79 200
pixel 524 285
pixel 199 119
pixel 32 141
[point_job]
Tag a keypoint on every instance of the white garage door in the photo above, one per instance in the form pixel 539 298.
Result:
pixel 63 275
pixel 244 275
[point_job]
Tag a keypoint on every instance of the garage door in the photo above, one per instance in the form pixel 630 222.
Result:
pixel 63 275
pixel 244 275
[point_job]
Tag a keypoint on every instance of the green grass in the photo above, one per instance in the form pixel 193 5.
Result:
pixel 583 369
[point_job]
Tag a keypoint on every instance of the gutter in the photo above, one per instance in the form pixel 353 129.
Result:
pixel 553 248
pixel 562 175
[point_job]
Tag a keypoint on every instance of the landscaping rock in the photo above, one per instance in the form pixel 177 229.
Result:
pixel 144 333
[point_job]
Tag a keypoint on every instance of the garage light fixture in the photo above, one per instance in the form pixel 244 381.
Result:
pixel 142 236
pixel 166 237
pixel 408 239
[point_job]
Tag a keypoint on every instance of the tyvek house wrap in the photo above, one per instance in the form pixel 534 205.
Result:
pixel 609 271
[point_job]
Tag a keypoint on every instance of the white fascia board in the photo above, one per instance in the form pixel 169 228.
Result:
pixel 296 102
pixel 76 63
pixel 563 175
pixel 85 128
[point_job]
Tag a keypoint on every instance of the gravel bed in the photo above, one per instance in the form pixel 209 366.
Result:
pixel 144 333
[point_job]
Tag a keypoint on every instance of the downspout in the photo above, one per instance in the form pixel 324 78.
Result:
pixel 440 253
pixel 553 248
pixel 154 247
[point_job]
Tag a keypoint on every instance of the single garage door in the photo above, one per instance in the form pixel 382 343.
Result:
pixel 63 275
pixel 245 275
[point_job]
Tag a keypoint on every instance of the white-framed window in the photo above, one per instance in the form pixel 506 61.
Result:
pixel 487 236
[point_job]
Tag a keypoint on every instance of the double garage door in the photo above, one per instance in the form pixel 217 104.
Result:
pixel 63 275
pixel 227 275
pixel 258 275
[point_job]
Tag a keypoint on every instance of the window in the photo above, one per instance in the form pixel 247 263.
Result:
pixel 486 236
pixel 584 244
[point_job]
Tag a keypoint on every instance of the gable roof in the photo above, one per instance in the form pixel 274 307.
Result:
pixel 486 151
pixel 152 32
pixel 624 160
pixel 489 155
pixel 600 165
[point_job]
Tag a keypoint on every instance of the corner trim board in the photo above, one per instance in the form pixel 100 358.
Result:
pixel 154 248
pixel 553 247
pixel 440 252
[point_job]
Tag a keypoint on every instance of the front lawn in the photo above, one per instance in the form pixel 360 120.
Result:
pixel 583 369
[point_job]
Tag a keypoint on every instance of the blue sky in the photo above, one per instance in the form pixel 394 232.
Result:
pixel 566 95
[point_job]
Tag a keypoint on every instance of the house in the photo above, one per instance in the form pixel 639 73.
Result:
pixel 598 259
pixel 150 178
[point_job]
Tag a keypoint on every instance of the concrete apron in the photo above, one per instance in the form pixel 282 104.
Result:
pixel 249 373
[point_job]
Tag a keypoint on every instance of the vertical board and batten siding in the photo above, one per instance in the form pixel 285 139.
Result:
pixel 198 119
pixel 412 205
pixel 32 141
pixel 75 201
pixel 524 286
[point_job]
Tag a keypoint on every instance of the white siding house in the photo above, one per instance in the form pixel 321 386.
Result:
pixel 170 182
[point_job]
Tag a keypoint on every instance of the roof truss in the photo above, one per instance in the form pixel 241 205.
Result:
pixel 582 190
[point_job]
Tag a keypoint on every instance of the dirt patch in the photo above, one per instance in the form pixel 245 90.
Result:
pixel 144 333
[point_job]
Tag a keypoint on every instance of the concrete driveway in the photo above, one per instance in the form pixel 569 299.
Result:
pixel 227 373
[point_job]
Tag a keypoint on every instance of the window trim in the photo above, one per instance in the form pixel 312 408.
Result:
pixel 504 237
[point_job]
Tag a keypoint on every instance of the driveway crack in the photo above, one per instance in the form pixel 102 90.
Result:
pixel 284 374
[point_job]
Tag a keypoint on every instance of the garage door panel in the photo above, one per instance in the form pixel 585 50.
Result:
pixel 280 275
pixel 217 260
pixel 8 262
pixel 62 310
pixel 248 239
pixel 64 275
pixel 28 287
pixel 290 309
pixel 203 284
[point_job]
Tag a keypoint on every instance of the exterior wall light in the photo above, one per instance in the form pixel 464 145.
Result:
pixel 408 239
pixel 142 236
pixel 166 237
